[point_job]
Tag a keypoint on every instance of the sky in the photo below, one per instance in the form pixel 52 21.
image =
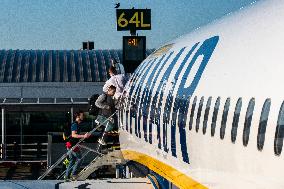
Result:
pixel 65 24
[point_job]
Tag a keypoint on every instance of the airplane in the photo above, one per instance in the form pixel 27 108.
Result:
pixel 206 110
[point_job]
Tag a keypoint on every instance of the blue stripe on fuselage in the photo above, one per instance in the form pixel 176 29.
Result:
pixel 180 105
pixel 146 89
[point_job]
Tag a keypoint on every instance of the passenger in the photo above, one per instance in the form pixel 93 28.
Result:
pixel 106 104
pixel 75 156
pixel 117 80
pixel 119 67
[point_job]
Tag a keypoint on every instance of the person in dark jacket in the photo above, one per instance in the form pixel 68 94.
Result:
pixel 106 104
pixel 75 155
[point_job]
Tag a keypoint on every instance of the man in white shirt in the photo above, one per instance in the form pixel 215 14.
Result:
pixel 117 80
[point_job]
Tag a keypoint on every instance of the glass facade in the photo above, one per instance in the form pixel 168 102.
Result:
pixel 26 132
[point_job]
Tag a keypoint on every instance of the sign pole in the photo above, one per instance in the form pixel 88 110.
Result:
pixel 133 32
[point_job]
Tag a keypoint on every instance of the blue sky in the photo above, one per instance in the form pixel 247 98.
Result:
pixel 64 24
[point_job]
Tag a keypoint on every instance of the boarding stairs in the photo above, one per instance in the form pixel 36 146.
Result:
pixel 111 158
pixel 102 157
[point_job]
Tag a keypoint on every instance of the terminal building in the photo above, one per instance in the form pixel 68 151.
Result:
pixel 40 90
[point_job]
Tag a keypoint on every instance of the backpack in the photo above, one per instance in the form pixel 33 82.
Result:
pixel 93 109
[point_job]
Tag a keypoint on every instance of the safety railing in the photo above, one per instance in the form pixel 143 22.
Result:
pixel 78 145
pixel 25 148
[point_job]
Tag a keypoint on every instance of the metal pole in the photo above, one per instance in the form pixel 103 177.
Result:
pixel 3 134
pixel 21 133
pixel 117 171
pixel 127 172
pixel 72 114
pixel 3 125
pixel 49 147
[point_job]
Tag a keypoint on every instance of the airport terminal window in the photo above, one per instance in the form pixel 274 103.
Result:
pixel 214 117
pixel 192 112
pixel 279 133
pixel 248 119
pixel 206 114
pixel 199 114
pixel 31 127
pixel 263 123
pixel 235 124
pixel 224 118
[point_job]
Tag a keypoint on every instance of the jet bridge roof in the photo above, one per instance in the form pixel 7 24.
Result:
pixel 43 101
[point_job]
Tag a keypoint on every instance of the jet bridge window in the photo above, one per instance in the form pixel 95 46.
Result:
pixel 279 133
pixel 206 114
pixel 248 119
pixel 192 112
pixel 199 114
pixel 214 117
pixel 224 118
pixel 263 123
pixel 235 124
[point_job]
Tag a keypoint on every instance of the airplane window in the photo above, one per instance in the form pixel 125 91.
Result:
pixel 158 109
pixel 183 106
pixel 175 109
pixel 236 120
pixel 206 114
pixel 199 114
pixel 168 107
pixel 279 133
pixel 120 116
pixel 187 104
pixel 153 109
pixel 224 118
pixel 248 119
pixel 214 117
pixel 262 124
pixel 192 112
pixel 122 109
pixel 127 112
pixel 138 100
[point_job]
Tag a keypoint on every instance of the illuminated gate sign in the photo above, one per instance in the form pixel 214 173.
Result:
pixel 134 47
pixel 134 52
pixel 133 19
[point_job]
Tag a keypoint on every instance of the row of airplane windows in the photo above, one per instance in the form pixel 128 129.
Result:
pixel 279 133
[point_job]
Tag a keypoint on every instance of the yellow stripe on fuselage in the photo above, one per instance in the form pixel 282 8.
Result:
pixel 166 171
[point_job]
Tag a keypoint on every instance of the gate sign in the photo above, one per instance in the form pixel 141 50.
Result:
pixel 133 19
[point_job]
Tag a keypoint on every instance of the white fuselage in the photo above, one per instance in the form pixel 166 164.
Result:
pixel 239 57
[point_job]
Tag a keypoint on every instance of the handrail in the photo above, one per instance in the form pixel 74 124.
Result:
pixel 70 150
pixel 28 144
pixel 29 135
pixel 86 153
